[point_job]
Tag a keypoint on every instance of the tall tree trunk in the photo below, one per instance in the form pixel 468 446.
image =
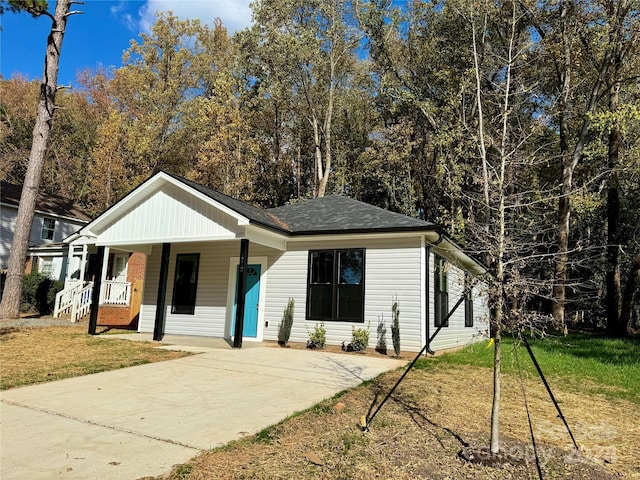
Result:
pixel 570 160
pixel 323 174
pixel 629 299
pixel 10 305
pixel 617 13
pixel 564 205
pixel 614 292
pixel 501 242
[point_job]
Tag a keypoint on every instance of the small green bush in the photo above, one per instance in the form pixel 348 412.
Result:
pixel 284 329
pixel 360 338
pixel 318 338
pixel 39 293
pixel 381 345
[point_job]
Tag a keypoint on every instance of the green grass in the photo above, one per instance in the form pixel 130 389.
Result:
pixel 583 363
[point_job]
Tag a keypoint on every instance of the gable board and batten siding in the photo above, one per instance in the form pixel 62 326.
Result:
pixel 170 215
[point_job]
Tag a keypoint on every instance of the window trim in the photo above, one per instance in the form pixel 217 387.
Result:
pixel 335 285
pixel 192 307
pixel 48 229
pixel 440 294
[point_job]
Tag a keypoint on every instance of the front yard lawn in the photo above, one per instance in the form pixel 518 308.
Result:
pixel 36 355
pixel 445 405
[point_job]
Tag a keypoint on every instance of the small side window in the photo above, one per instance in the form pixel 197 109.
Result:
pixel 48 227
pixel 441 293
pixel 468 302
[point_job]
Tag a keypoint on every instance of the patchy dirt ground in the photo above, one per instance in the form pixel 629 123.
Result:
pixel 421 431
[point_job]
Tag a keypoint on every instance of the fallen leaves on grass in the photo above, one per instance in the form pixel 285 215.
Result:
pixel 36 355
pixel 419 433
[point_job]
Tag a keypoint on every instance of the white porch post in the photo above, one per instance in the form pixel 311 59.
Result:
pixel 103 278
pixel 83 262
pixel 67 276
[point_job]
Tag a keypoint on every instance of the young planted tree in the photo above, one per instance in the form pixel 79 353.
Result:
pixel 508 140
pixel 10 305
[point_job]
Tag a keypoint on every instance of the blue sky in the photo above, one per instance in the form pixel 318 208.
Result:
pixel 101 34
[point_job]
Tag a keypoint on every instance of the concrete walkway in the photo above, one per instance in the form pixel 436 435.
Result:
pixel 140 421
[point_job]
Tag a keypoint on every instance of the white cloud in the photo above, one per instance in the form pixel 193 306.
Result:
pixel 235 14
pixel 119 11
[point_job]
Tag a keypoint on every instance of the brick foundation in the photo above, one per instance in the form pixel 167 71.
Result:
pixel 116 316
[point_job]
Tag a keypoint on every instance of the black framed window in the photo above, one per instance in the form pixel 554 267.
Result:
pixel 468 302
pixel 48 227
pixel 440 292
pixel 335 285
pixel 185 283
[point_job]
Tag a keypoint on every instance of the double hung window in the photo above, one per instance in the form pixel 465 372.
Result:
pixel 335 285
pixel 48 227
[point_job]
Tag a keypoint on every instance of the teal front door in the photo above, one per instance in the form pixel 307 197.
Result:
pixel 251 302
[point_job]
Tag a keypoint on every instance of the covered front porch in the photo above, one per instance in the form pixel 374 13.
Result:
pixel 119 274
pixel 206 262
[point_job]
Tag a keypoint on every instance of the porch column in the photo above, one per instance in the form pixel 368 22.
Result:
pixel 103 271
pixel 95 294
pixel 240 293
pixel 158 329
pixel 83 263
pixel 70 257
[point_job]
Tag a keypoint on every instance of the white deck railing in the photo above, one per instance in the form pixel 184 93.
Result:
pixel 115 293
pixel 82 302
pixel 75 300
pixel 65 298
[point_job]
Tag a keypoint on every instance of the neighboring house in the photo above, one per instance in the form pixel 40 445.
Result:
pixel 55 218
pixel 344 263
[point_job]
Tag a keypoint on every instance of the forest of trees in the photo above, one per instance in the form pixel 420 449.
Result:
pixel 514 125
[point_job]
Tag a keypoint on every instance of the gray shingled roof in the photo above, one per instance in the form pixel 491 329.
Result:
pixel 330 214
pixel 337 214
pixel 53 204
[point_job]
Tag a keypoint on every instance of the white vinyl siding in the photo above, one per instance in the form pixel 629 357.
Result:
pixel 8 215
pixel 392 270
pixel 210 316
pixel 456 334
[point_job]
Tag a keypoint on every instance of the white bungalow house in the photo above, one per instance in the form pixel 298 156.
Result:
pixel 219 267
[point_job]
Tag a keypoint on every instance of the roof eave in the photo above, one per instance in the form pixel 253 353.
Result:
pixel 351 231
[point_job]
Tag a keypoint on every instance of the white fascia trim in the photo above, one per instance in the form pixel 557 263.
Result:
pixel 353 236
pixel 76 239
pixel 452 253
pixel 266 237
pixel 152 241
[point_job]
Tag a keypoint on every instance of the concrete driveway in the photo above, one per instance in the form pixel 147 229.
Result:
pixel 140 421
